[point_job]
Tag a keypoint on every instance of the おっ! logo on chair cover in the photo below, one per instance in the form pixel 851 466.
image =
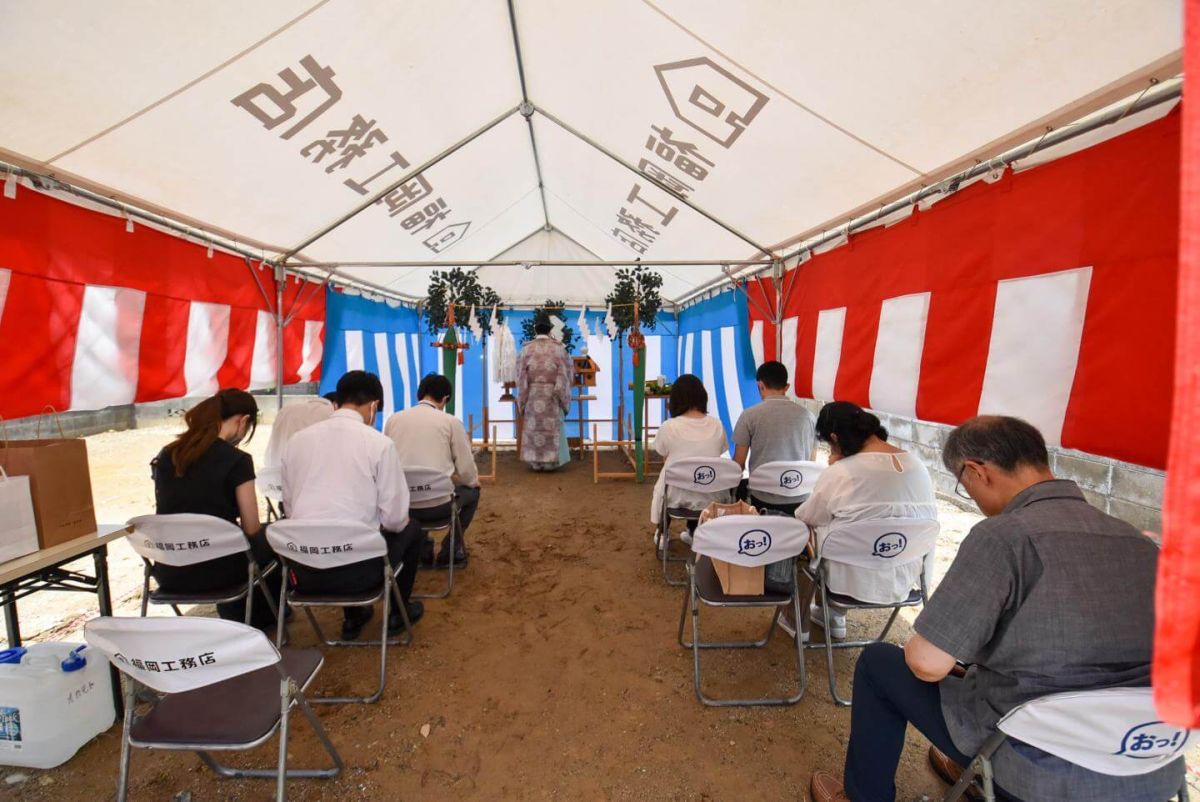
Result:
pixel 1153 740
pixel 754 543
pixel 705 475
pixel 791 479
pixel 889 545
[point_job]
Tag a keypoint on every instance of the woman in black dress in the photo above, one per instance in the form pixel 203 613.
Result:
pixel 204 472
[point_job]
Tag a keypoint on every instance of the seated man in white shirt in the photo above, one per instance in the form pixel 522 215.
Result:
pixel 342 469
pixel 292 419
pixel 427 437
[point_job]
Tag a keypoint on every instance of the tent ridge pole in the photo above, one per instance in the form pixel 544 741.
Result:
pixel 548 262
pixel 650 179
pixel 309 240
pixel 527 113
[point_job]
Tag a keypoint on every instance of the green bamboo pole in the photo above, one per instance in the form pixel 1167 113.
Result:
pixel 450 365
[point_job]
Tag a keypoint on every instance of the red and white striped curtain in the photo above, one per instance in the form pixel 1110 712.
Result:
pixel 92 315
pixel 1049 295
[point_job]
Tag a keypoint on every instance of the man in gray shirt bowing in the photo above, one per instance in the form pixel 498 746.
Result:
pixel 1046 595
pixel 776 429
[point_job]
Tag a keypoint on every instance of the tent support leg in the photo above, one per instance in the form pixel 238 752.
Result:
pixel 777 270
pixel 280 283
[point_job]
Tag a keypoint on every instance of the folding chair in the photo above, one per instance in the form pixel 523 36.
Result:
pixel 270 484
pixel 332 544
pixel 187 539
pixel 430 484
pixel 1113 731
pixel 794 480
pixel 224 688
pixel 870 544
pixel 698 475
pixel 746 540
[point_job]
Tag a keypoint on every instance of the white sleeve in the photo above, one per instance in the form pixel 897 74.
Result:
pixel 662 439
pixel 392 490
pixel 460 450
pixel 817 510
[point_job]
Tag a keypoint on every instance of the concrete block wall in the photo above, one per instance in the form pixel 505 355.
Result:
pixel 131 416
pixel 1130 492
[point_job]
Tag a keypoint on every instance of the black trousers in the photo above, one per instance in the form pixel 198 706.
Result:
pixel 468 502
pixel 887 698
pixel 403 548
pixel 743 494
pixel 221 573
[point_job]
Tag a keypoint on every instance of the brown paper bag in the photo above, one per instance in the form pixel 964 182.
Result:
pixel 736 580
pixel 59 482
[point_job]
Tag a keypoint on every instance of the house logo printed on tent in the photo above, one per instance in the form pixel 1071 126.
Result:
pixel 889 545
pixel 709 99
pixel 1153 740
pixel 705 475
pixel 754 543
pixel 791 479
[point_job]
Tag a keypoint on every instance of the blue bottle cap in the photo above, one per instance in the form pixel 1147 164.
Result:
pixel 75 660
pixel 12 656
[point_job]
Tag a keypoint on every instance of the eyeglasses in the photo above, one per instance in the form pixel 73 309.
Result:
pixel 959 490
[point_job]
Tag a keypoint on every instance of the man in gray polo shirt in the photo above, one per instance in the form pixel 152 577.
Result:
pixel 775 429
pixel 1046 595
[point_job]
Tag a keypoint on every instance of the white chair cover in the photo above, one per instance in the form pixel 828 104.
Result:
pixel 750 540
pixel 792 479
pixel 880 542
pixel 325 544
pixel 180 653
pixel 270 483
pixel 185 538
pixel 703 474
pixel 428 484
pixel 1112 731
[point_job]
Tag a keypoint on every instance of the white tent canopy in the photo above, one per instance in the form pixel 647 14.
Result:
pixel 469 130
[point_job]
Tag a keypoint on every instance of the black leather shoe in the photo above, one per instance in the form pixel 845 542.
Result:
pixel 355 619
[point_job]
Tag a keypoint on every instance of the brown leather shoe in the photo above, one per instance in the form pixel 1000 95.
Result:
pixel 950 771
pixel 826 788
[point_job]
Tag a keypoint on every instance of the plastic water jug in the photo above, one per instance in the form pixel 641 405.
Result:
pixel 54 698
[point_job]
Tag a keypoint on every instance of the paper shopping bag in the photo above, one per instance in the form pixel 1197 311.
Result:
pixel 59 482
pixel 18 528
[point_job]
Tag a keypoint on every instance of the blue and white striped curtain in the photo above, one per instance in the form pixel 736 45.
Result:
pixel 361 334
pixel 710 339
pixel 472 389
pixel 714 344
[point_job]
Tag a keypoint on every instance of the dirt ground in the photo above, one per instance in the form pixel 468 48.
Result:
pixel 552 672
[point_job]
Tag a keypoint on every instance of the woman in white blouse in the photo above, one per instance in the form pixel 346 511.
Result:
pixel 690 432
pixel 867 479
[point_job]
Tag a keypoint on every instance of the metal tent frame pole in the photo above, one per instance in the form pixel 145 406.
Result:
pixel 1155 94
pixel 547 263
pixel 650 179
pixel 280 323
pixel 408 176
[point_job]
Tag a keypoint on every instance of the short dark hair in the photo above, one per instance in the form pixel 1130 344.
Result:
pixel 435 386
pixel 330 397
pixel 852 424
pixel 773 375
pixel 359 388
pixel 1001 440
pixel 687 393
pixel 543 326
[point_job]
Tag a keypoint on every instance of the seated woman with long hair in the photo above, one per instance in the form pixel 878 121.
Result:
pixel 204 472
pixel 867 478
pixel 689 432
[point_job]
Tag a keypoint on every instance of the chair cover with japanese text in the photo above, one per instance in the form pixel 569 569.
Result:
pixel 784 478
pixel 172 655
pixel 325 544
pixel 750 540
pixel 185 538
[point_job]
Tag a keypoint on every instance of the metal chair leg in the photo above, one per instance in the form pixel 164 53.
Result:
pixel 285 707
pixel 837 700
pixel 127 724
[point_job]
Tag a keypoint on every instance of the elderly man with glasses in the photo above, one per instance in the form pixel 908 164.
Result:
pixel 1048 594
